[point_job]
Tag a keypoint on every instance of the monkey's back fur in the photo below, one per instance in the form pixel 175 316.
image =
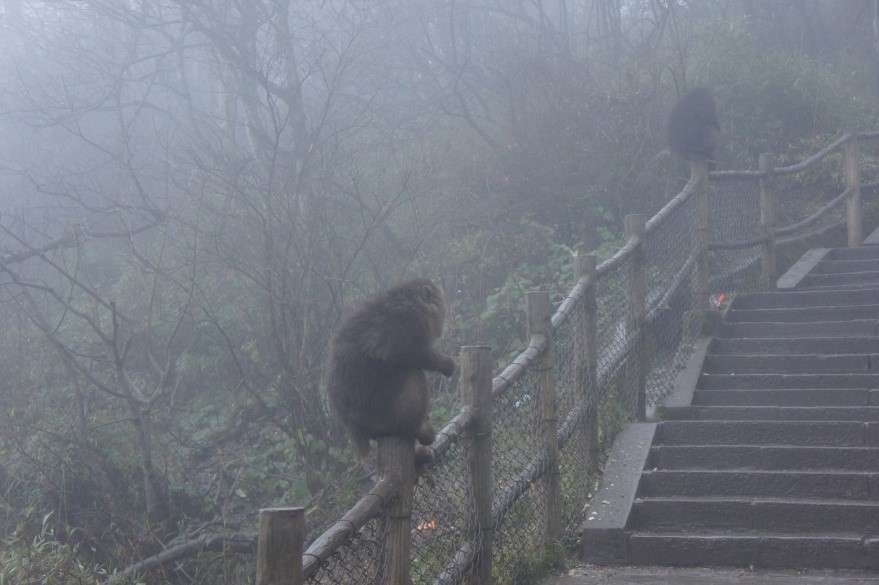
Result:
pixel 693 124
pixel 377 384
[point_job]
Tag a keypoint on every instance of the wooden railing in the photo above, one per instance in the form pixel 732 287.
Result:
pixel 281 560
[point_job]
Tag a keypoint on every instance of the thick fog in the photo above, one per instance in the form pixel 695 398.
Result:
pixel 194 193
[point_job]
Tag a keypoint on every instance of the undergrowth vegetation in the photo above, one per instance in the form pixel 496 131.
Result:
pixel 195 193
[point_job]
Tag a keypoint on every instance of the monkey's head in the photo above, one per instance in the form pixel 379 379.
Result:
pixel 430 301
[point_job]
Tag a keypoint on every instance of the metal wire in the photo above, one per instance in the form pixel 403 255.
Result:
pixel 443 528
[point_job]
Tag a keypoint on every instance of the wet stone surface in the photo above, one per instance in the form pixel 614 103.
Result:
pixel 590 575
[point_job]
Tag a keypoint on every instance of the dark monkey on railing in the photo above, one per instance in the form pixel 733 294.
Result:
pixel 693 126
pixel 377 384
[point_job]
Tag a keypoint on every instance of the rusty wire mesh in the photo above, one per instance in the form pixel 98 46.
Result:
pixel 588 416
pixel 440 526
pixel 670 259
pixel 516 446
pixel 361 559
pixel 735 216
pixel 618 337
pixel 577 400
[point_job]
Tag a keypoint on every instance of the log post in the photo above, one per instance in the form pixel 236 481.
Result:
pixel 702 281
pixel 475 388
pixel 279 546
pixel 586 355
pixel 637 317
pixel 396 462
pixel 769 260
pixel 540 329
pixel 854 209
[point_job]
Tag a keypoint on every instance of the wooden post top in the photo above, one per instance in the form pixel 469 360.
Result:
pixel 634 225
pixel 279 547
pixel 538 312
pixel 586 261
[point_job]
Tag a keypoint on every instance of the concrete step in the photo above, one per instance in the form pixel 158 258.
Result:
pixel 665 483
pixel 860 328
pixel 709 381
pixel 751 432
pixel 845 413
pixel 790 515
pixel 788 397
pixel 844 266
pixel 865 285
pixel 793 346
pixel 771 550
pixel 862 253
pixel 766 457
pixel 776 461
pixel 814 363
pixel 803 314
pixel 806 298
pixel 839 278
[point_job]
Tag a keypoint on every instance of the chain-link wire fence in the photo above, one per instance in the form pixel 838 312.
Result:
pixel 361 559
pixel 670 259
pixel 591 406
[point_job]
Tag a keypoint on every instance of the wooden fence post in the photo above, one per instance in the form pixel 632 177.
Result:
pixel 539 326
pixel 702 283
pixel 279 546
pixel 769 261
pixel 475 389
pixel 587 356
pixel 854 210
pixel 396 462
pixel 637 317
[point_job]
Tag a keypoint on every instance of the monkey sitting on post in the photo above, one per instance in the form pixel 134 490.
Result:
pixel 693 126
pixel 377 384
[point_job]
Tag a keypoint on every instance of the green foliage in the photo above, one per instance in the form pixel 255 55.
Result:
pixel 32 556
pixel 530 568
pixel 257 278
pixel 488 274
pixel 770 101
pixel 504 314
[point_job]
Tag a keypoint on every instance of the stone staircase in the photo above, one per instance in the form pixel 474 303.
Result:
pixel 772 458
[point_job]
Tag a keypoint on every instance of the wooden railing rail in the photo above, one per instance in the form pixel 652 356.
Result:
pixel 366 508
pixel 390 499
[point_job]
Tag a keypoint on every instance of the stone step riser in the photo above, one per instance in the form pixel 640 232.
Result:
pixel 791 516
pixel 844 266
pixel 845 329
pixel 813 279
pixel 776 461
pixel 788 397
pixel 863 253
pixel 804 315
pixel 763 458
pixel 768 413
pixel 708 381
pixel 766 484
pixel 818 363
pixel 802 299
pixel 764 552
pixel 866 285
pixel 814 433
pixel 865 345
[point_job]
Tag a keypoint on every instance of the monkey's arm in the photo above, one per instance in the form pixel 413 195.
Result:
pixel 423 359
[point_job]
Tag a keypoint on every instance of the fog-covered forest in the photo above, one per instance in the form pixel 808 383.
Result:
pixel 194 192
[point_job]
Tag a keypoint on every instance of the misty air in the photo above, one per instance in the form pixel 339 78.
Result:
pixel 439 292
